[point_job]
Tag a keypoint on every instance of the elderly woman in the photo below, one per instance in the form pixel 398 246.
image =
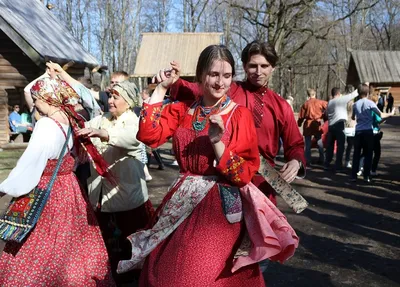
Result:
pixel 65 247
pixel 124 208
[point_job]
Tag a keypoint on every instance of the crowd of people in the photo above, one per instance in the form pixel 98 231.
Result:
pixel 353 117
pixel 83 175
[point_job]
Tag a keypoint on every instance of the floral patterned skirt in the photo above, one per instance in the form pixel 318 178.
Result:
pixel 65 248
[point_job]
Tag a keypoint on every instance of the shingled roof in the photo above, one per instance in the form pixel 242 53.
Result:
pixel 157 50
pixel 375 66
pixel 39 34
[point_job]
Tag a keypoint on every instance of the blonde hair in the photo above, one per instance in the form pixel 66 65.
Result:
pixel 311 93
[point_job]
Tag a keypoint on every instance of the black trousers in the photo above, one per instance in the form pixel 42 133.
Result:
pixel 363 140
pixel 377 150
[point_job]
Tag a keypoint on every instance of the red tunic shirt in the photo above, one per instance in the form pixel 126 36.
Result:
pixel 272 115
pixel 312 113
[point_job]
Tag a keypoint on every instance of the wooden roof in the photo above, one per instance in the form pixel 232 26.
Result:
pixel 157 50
pixel 376 66
pixel 40 34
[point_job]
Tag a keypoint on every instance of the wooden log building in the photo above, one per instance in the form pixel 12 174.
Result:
pixel 380 68
pixel 162 48
pixel 30 35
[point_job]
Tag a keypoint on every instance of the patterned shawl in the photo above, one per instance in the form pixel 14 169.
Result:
pixel 58 93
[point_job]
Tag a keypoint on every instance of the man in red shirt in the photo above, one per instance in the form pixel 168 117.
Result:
pixel 312 114
pixel 273 117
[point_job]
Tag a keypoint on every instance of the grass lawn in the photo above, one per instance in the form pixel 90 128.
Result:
pixel 8 160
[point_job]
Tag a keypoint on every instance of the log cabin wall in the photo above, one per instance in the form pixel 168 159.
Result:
pixel 16 71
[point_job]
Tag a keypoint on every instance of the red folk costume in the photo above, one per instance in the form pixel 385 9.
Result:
pixel 65 248
pixel 312 114
pixel 194 240
pixel 273 118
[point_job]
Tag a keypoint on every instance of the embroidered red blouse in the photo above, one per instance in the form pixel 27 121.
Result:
pixel 273 117
pixel 193 149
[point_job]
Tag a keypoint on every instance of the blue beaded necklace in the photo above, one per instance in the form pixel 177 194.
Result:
pixel 202 113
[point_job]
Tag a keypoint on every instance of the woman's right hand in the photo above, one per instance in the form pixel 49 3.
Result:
pixel 167 77
pixel 93 133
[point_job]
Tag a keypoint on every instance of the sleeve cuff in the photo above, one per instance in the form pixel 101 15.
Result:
pixel 230 165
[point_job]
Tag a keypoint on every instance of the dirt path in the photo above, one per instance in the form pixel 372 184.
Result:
pixel 350 234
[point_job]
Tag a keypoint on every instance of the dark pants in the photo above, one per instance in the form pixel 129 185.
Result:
pixel 335 133
pixel 377 151
pixel 389 108
pixel 115 228
pixel 350 144
pixel 364 140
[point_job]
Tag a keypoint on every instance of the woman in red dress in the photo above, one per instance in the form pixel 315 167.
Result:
pixel 199 226
pixel 65 248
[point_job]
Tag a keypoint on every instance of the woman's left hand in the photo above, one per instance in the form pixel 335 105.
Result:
pixel 93 133
pixel 217 129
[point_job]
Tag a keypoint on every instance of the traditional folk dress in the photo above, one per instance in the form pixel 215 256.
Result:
pixel 124 208
pixel 273 118
pixel 199 227
pixel 65 248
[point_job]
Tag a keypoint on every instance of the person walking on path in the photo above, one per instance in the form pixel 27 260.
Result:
pixel 350 128
pixel 363 111
pixel 312 114
pixel 337 117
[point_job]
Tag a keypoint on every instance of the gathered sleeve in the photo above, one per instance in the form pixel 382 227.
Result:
pixel 45 143
pixel 293 143
pixel 183 90
pixel 158 123
pixel 302 116
pixel 240 160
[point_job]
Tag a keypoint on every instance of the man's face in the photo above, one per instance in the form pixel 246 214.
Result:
pixel 16 108
pixel 258 70
pixel 116 79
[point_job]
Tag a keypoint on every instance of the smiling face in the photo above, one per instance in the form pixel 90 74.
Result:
pixel 117 104
pixel 258 70
pixel 216 82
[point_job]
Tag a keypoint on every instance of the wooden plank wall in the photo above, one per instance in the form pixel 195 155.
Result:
pixel 396 95
pixel 4 132
pixel 16 71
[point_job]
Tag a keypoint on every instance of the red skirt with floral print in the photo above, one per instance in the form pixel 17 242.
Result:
pixel 65 248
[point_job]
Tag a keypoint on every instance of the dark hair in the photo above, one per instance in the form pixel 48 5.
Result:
pixel 120 73
pixel 349 89
pixel 96 88
pixel 335 91
pixel 260 48
pixel 209 55
pixel 363 90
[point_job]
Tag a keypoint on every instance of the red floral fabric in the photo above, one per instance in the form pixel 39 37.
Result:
pixel 200 251
pixel 65 248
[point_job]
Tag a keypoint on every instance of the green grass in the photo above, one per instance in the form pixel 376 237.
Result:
pixel 8 160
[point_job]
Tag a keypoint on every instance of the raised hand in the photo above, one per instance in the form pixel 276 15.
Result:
pixel 167 77
pixel 217 129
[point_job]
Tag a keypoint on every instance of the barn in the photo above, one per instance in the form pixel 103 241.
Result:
pixel 30 35
pixel 380 68
pixel 157 50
